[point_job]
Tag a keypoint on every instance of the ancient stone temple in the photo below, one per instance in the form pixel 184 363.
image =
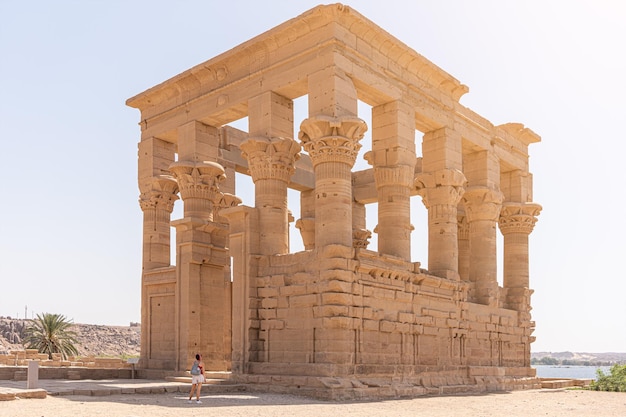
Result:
pixel 337 319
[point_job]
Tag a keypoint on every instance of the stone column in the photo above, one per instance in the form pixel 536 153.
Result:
pixel 158 192
pixel 202 290
pixel 331 136
pixel 441 185
pixel 332 144
pixel 271 164
pixel 441 192
pixel 157 204
pixel 243 241
pixel 393 159
pixel 517 221
pixel 482 207
pixel 482 201
pixel 271 153
pixel 201 257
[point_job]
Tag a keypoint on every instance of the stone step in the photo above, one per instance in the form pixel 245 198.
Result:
pixel 212 377
pixel 556 383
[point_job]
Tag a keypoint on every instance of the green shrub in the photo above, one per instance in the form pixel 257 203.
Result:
pixel 616 381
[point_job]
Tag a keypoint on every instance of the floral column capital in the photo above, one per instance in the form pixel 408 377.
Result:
pixel 332 139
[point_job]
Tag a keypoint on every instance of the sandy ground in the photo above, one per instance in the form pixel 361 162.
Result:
pixel 561 403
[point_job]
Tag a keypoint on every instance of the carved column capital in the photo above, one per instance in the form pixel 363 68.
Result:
pixel 518 217
pixel 399 175
pixel 442 187
pixel 332 139
pixel 271 158
pixel 198 179
pixel 227 200
pixel 159 193
pixel 360 238
pixel 482 203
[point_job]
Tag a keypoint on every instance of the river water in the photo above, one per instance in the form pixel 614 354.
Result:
pixel 583 372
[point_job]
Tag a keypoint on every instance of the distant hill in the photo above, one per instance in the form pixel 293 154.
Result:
pixel 93 339
pixel 577 358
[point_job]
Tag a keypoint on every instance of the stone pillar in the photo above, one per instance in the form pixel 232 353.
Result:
pixel 517 221
pixel 441 185
pixel 157 204
pixel 483 201
pixel 158 192
pixel 271 164
pixel 441 191
pixel 331 136
pixel 482 207
pixel 202 300
pixel 332 144
pixel 393 159
pixel 32 377
pixel 271 153
pixel 243 241
pixel 201 257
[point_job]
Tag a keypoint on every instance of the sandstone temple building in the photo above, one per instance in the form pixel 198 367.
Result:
pixel 337 319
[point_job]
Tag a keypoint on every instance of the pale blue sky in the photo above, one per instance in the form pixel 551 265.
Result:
pixel 70 234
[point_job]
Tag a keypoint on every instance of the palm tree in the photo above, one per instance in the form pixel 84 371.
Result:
pixel 50 333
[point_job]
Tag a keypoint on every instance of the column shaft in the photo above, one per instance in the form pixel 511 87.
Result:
pixel 157 197
pixel 517 221
pixel 393 159
pixel 441 192
pixel 271 153
pixel 333 204
pixel 482 202
pixel 482 206
pixel 441 185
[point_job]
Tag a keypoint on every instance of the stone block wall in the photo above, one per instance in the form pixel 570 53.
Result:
pixel 380 321
pixel 14 366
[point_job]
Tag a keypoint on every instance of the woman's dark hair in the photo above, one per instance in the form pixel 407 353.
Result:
pixel 197 356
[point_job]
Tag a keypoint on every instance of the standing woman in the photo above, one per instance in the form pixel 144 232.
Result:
pixel 197 378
